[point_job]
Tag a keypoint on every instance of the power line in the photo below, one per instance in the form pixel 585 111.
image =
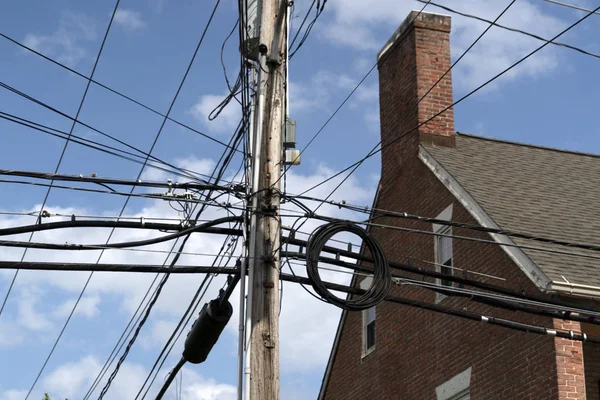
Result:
pixel 114 181
pixel 424 95
pixel 458 313
pixel 185 319
pixel 164 280
pixel 62 153
pixel 95 145
pixel 376 150
pixel 128 198
pixel 207 227
pixel 335 112
pixel 568 46
pixel 184 198
pixel 572 6
pixel 75 121
pixel 378 213
pixel 50 188
pixel 135 268
pixel 413 269
pixel 90 79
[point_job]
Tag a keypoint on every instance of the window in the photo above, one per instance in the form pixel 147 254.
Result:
pixel 444 253
pixel 369 330
pixel 368 316
pixel 457 388
pixel 443 250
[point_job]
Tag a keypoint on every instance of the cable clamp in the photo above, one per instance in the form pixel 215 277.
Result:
pixel 485 319
pixel 571 335
pixel 269 210
pixel 142 221
pixel 584 336
pixel 552 332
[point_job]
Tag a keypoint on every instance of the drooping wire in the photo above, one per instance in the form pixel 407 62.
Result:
pixel 378 149
pixel 64 149
pixel 176 257
pixel 107 149
pixel 90 79
pixel 475 17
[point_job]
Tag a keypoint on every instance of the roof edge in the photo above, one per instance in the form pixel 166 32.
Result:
pixel 526 264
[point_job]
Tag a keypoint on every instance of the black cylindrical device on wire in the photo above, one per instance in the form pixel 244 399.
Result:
pixel 206 330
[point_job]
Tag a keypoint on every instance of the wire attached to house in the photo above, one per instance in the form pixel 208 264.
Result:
pixel 381 270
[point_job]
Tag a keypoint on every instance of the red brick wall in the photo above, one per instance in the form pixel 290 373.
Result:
pixel 591 358
pixel 569 363
pixel 418 350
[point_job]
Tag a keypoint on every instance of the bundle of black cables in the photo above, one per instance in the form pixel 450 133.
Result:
pixel 381 270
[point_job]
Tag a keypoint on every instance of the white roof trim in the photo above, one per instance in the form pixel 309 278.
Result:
pixel 531 269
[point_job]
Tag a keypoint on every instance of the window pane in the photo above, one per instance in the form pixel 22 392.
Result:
pixel 370 315
pixel 370 335
pixel 445 249
pixel 446 271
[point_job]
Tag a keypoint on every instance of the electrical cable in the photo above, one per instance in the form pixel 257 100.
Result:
pixel 308 29
pixel 425 272
pixel 572 6
pixel 126 194
pixel 335 112
pixel 376 150
pixel 568 46
pixel 123 209
pixel 16 230
pixel 190 311
pixel 459 313
pixel 379 213
pixel 75 121
pixel 90 79
pixel 95 145
pixel 64 149
pixel 113 181
pixel 142 268
pixel 381 270
pixel 422 97
pixel 170 378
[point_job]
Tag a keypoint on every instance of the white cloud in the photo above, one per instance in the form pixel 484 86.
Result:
pixel 205 389
pixel 13 395
pixel 129 20
pixel 88 307
pixel 27 314
pixel 303 348
pixel 227 120
pixel 357 24
pixel 72 379
pixel 66 44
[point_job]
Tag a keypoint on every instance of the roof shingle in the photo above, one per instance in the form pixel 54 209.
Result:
pixel 537 190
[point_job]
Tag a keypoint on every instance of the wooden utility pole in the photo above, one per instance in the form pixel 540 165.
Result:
pixel 264 293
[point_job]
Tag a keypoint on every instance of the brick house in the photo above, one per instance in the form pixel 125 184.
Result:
pixel 400 352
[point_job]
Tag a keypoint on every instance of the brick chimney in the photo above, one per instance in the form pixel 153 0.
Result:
pixel 412 60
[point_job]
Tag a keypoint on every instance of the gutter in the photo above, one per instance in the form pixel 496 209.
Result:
pixel 575 289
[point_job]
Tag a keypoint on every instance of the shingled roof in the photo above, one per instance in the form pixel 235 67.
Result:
pixel 537 190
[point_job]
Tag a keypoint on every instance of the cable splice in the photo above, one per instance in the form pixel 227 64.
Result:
pixel 381 270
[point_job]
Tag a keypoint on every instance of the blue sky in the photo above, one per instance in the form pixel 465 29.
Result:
pixel 549 100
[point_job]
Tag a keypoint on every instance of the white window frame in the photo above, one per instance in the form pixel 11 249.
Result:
pixel 445 215
pixel 457 388
pixel 364 285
